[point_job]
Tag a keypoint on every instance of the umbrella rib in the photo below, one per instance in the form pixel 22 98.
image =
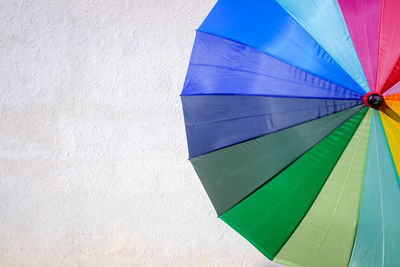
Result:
pixel 381 199
pixel 276 96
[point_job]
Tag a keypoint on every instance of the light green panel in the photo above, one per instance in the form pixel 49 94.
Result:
pixel 326 235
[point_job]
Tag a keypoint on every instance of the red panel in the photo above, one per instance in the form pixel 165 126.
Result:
pixel 389 46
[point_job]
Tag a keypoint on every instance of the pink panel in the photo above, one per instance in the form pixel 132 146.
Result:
pixel 394 90
pixel 389 46
pixel 363 20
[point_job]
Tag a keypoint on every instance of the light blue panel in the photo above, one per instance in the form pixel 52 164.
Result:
pixel 378 235
pixel 324 20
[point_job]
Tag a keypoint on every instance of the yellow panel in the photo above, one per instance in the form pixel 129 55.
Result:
pixel 390 116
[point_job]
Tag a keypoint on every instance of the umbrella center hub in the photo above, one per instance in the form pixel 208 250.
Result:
pixel 373 100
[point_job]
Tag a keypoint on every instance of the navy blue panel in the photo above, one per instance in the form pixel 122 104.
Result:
pixel 216 121
pixel 221 66
pixel 266 26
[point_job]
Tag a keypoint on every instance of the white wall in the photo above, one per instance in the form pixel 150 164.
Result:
pixel 93 168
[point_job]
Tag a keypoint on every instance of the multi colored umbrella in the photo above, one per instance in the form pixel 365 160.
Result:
pixel 292 114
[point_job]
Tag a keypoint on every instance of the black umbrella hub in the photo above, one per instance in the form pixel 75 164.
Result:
pixel 373 100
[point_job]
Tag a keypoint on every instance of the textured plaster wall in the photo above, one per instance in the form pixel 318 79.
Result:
pixel 93 168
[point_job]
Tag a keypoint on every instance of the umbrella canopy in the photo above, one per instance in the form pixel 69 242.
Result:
pixel 292 114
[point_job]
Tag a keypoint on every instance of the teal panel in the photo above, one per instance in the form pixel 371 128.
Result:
pixel 378 236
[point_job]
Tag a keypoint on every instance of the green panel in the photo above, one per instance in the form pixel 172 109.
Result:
pixel 268 217
pixel 231 174
pixel 326 235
